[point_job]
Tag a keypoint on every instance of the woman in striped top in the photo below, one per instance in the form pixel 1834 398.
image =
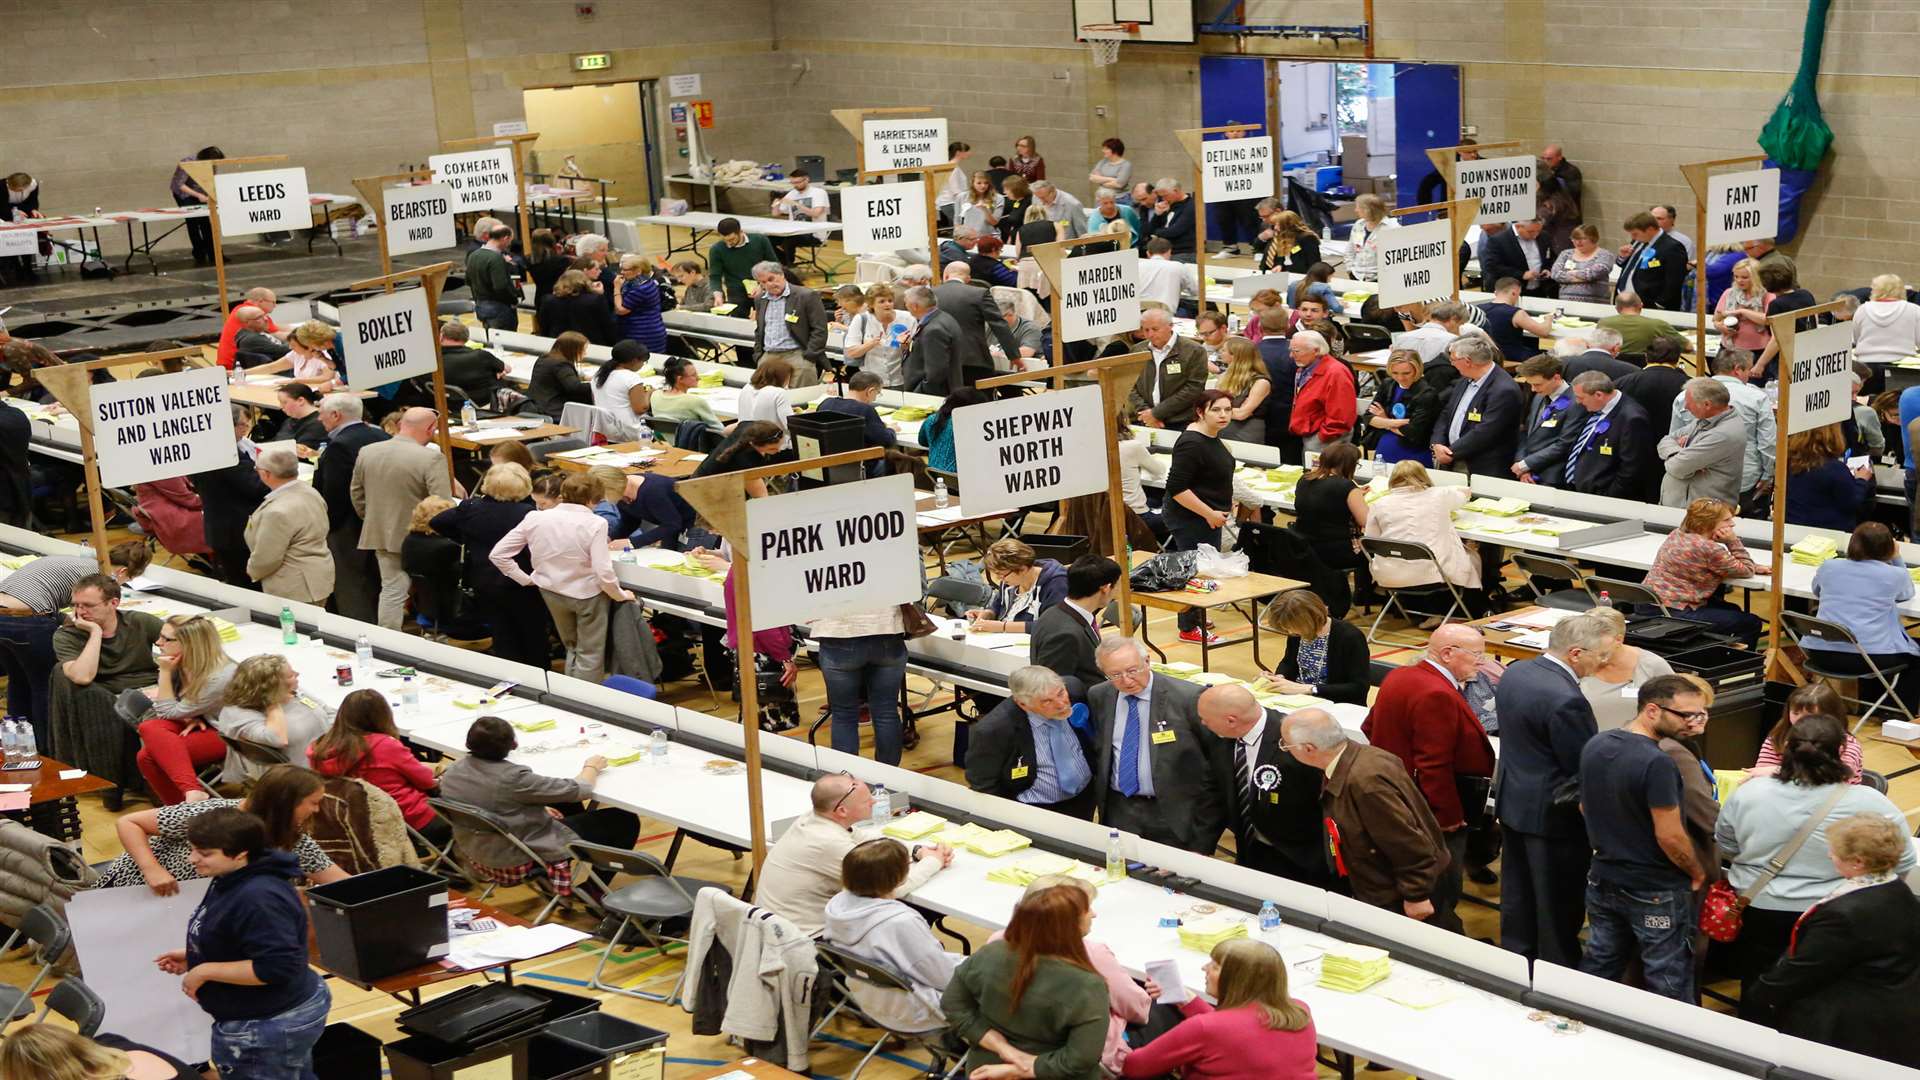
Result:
pixel 1813 699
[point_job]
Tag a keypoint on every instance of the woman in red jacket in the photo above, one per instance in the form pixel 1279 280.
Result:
pixel 1255 1032
pixel 170 511
pixel 1324 406
pixel 364 743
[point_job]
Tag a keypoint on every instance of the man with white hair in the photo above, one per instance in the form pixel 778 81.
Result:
pixel 1171 216
pixel 1446 321
pixel 1380 835
pixel 1060 208
pixel 1032 341
pixel 1611 452
pixel 1703 460
pixel 1033 747
pixel 1597 349
pixel 389 480
pixel 1152 768
pixel 958 247
pixel 356 583
pixel 789 322
pixel 1479 425
pixel 287 534
pixel 1273 801
pixel 596 247
pixel 1169 386
pixel 1545 721
pixel 933 364
pixel 916 274
pixel 1324 402
pixel 1732 368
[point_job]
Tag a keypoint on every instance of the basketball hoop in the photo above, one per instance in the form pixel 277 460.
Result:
pixel 1104 39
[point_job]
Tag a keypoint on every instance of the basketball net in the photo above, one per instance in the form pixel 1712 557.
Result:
pixel 1104 39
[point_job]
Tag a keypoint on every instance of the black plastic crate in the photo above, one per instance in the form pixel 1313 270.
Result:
pixel 344 1052
pixel 380 923
pixel 477 1015
pixel 549 1058
pixel 607 1034
pixel 421 1057
pixel 1722 666
pixel 561 1005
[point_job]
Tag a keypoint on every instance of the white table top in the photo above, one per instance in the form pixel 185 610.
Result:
pixel 765 226
pixel 755 184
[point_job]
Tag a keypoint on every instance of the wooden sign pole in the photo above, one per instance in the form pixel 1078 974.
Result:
pixel 1696 175
pixel 1461 213
pixel 852 119
pixel 1049 258
pixel 432 279
pixel 1779 667
pixel 202 173
pixel 1191 138
pixel 722 501
pixel 519 144
pixel 70 385
pixel 932 176
pixel 1117 375
pixel 374 190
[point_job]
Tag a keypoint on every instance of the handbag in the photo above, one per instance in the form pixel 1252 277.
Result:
pixel 915 621
pixel 1722 909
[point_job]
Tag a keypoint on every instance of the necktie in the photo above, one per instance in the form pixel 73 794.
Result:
pixel 1242 783
pixel 1580 446
pixel 1128 781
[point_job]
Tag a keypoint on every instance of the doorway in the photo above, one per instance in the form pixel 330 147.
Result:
pixel 604 130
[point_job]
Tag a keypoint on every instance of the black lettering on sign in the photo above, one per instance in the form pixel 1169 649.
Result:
pixel 784 543
pixel 1745 193
pixel 170 427
pixel 1740 219
pixel 390 359
pixel 258 192
pixel 1418 277
pixel 1033 479
pixel 869 528
pixel 889 232
pixel 132 435
pixel 421 233
pixel 1024 453
pixel 109 411
pixel 171 454
pixel 885 207
pixel 257 216
pixel 384 326
pixel 838 576
pixel 419 208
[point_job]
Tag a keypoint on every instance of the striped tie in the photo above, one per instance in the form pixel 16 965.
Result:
pixel 1580 446
pixel 1127 777
pixel 1242 783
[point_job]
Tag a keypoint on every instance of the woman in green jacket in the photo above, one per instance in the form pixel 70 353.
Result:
pixel 1031 1005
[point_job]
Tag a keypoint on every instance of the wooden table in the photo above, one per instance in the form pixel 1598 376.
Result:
pixel 1912 747
pixel 406 985
pixel 1500 642
pixel 675 463
pixel 923 504
pixel 1243 594
pixel 51 805
pixel 532 434
pixel 262 394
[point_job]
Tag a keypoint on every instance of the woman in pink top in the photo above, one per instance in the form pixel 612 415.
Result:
pixel 1742 309
pixel 1257 1032
pixel 364 743
pixel 574 569
pixel 1127 1001
pixel 1813 699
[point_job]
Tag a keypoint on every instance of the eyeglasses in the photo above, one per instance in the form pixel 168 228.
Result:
pixel 1689 717
pixel 850 789
pixel 1134 672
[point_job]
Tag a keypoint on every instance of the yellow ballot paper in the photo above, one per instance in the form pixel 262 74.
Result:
pixel 997 843
pixel 1202 934
pixel 1352 968
pixel 914 826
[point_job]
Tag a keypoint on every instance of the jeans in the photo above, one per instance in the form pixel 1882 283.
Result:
pixel 274 1047
pixel 26 652
pixel 496 314
pixel 1657 923
pixel 872 669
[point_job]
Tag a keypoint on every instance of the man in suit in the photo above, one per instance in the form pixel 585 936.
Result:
pixel 1523 253
pixel 228 496
pixel 933 363
pixel 1703 460
pixel 1065 635
pixel 976 316
pixel 1164 394
pixel 287 535
pixel 1550 414
pixel 789 322
pixel 1152 768
pixel 1381 839
pixel 1545 721
pixel 356 580
pixel 1421 716
pixel 1273 805
pixel 1655 266
pixel 1611 452
pixel 1479 426
pixel 1596 350
pixel 1034 746
pixel 389 480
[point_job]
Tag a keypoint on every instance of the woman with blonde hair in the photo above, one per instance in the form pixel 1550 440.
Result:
pixel 1886 328
pixel 1400 420
pixel 266 710
pixel 578 304
pixel 1255 1030
pixel 1413 509
pixel 1293 248
pixel 306 357
pixel 1742 310
pixel 176 741
pixel 636 300
pixel 981 210
pixel 1246 382
pixel 1325 657
pixel 515 613
pixel 1363 259
pixel 46 1052
pixel 1612 690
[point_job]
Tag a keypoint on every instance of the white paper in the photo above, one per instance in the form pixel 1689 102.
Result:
pixel 832 550
pixel 72 774
pixel 22 242
pixel 1167 974
pixel 9 789
pixel 266 200
pixel 510 944
pixel 1860 462
pixel 116 935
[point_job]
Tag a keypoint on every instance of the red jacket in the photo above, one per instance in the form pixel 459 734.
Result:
pixel 391 767
pixel 1422 718
pixel 170 511
pixel 1325 404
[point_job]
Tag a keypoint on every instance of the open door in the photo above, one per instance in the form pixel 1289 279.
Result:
pixel 1426 113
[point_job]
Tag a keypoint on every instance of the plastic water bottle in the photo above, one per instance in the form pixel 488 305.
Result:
pixel 29 746
pixel 1116 858
pixel 10 739
pixel 409 696
pixel 882 805
pixel 940 496
pixel 645 434
pixel 288 636
pixel 239 373
pixel 1269 916
pixel 1605 600
pixel 469 416
pixel 363 654
pixel 657 746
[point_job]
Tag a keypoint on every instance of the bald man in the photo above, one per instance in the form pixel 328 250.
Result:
pixel 802 871
pixel 262 301
pixel 1274 806
pixel 256 343
pixel 389 480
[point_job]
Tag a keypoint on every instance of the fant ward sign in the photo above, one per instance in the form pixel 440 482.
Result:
pixel 270 200
pixel 419 218
pixel 832 551
pixel 1099 294
pixel 162 426
pixel 884 217
pixel 1031 449
pixel 1743 206
pixel 388 338
pixel 1821 389
pixel 480 179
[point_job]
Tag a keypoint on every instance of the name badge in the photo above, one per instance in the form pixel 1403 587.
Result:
pixel 1606 451
pixel 793 318
pixel 1549 423
pixel 1653 264
pixel 1163 736
pixel 1173 369
pixel 1474 417
pixel 1273 797
pixel 1019 772
pixel 1295 251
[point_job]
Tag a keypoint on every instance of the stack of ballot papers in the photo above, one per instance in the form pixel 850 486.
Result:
pixel 1179 669
pixel 1725 781
pixel 1285 475
pixel 1202 934
pixel 995 843
pixel 1499 507
pixel 1352 968
pixel 1814 550
pixel 914 826
pixel 1376 489
pixel 958 836
pixel 909 413
pixel 1025 870
pixel 228 631
pixel 714 378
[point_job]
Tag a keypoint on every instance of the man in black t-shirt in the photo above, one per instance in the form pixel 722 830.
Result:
pixel 476 372
pixel 1641 885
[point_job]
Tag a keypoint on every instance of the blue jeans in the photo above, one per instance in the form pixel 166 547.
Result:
pixel 26 653
pixel 274 1047
pixel 1658 923
pixel 868 669
pixel 496 315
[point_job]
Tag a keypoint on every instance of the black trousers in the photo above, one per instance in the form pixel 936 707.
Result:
pixel 1446 892
pixel 199 232
pixel 608 826
pixel 1141 816
pixel 356 579
pixel 520 623
pixel 1543 895
pixel 1309 867
pixel 1187 534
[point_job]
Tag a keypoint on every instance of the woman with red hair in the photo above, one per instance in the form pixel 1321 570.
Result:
pixel 1031 1003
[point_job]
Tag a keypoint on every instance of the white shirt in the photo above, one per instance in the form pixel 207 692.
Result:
pixel 1163 280
pixel 772 404
pixel 1137 458
pixel 1563 665
pixel 1435 665
pixel 955 190
pixel 611 398
pixel 1160 361
pixel 793 202
pixel 1429 340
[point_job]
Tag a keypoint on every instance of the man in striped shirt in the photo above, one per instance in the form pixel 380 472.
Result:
pixel 31 599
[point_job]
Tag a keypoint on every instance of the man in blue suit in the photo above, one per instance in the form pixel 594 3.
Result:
pixel 1544 723
pixel 1479 426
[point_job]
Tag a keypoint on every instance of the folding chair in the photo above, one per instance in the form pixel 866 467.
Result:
pixel 849 969
pixel 645 904
pixel 50 933
pixel 77 1002
pixel 546 448
pixel 1801 627
pixel 591 421
pixel 1540 567
pixel 439 858
pixel 256 753
pixel 680 836
pixel 474 819
pixel 1410 551
pixel 1618 592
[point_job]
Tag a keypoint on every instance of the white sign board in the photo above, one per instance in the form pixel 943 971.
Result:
pixel 833 550
pixel 419 219
pixel 884 217
pixel 1234 169
pixel 904 144
pixel 1504 187
pixel 510 127
pixel 1099 294
pixel 1743 206
pixel 271 200
pixel 683 86
pixel 1821 390
pixel 19 242
pixel 1416 263
pixel 1032 449
pixel 161 427
pixel 1245 287
pixel 116 935
pixel 387 338
pixel 480 179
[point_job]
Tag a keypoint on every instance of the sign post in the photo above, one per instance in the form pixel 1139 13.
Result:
pixel 1412 251
pixel 423 207
pixel 1816 389
pixel 518 145
pixel 1050 257
pixel 204 176
pixel 1240 168
pixel 1726 212
pixel 879 211
pixel 854 120
pixel 382 333
pixel 722 501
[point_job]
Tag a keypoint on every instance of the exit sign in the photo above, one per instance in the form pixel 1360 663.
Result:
pixel 593 61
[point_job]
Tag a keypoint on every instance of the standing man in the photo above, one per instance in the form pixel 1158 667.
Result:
pixel 1171 216
pixel 389 480
pixel 976 315
pixel 789 322
pixel 1168 388
pixel 356 576
pixel 804 203
pixel 1381 840
pixel 1654 267
pixel 1421 716
pixel 933 352
pixel 1703 460
pixel 1274 801
pixel 1597 349
pixel 1516 332
pixel 1664 216
pixel 1165 282
pixel 730 263
pixel 1152 767
pixel 228 497
pixel 1612 452
pixel 1479 426
pixel 1731 369
pixel 1545 722
pixel 1324 405
pixel 1550 415
pixel 496 296
pixel 1061 208
pixel 1637 330
pixel 1644 877
pixel 1561 177
pixel 1032 747
pixel 287 535
pixel 1523 253
pixel 1065 635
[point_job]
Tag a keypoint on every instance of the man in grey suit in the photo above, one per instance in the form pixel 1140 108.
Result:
pixel 933 358
pixel 975 313
pixel 790 322
pixel 389 480
pixel 356 581
pixel 1703 461
pixel 1154 769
